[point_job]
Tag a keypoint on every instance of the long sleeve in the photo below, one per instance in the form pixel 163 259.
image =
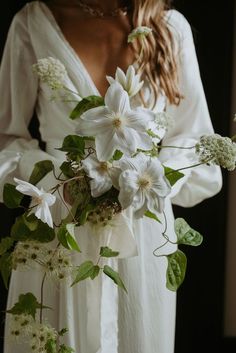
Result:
pixel 192 120
pixel 18 92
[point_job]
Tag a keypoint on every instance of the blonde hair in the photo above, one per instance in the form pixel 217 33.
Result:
pixel 158 63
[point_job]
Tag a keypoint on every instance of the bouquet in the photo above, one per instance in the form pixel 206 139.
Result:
pixel 111 166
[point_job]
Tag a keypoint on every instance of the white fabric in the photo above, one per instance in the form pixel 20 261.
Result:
pixel 100 318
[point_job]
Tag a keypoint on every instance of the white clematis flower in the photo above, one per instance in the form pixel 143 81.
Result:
pixel 103 175
pixel 40 199
pixel 129 81
pixel 116 126
pixel 143 184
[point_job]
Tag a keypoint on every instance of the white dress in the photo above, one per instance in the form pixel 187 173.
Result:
pixel 100 318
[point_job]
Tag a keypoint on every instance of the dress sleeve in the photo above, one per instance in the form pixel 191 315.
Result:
pixel 18 92
pixel 192 120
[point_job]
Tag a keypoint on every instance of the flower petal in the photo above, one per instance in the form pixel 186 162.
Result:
pixel 48 198
pixel 100 186
pixel 117 99
pixel 120 77
pixel 27 189
pixel 93 127
pixel 128 187
pixel 106 144
pixel 43 213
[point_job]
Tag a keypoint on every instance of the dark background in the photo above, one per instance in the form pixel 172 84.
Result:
pixel 200 306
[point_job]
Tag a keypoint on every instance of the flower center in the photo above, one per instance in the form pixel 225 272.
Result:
pixel 37 200
pixel 145 182
pixel 117 122
pixel 103 166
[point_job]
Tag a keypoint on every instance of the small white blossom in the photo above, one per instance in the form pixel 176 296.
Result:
pixel 215 149
pixel 164 121
pixel 51 71
pixel 129 81
pixel 41 199
pixel 40 335
pixel 139 32
pixel 143 184
pixel 26 254
pixel 116 126
pixel 57 264
pixel 20 325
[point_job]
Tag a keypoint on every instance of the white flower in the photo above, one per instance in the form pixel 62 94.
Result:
pixel 40 199
pixel 129 81
pixel 103 175
pixel 140 31
pixel 115 126
pixel 57 264
pixel 215 149
pixel 51 71
pixel 26 254
pixel 40 334
pixel 143 184
pixel 20 325
pixel 164 121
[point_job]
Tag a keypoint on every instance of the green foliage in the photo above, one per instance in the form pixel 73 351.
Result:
pixel 63 331
pixel 41 169
pixel 85 270
pixel 86 104
pixel 65 349
pixel 177 263
pixel 105 251
pixel 11 197
pixel 74 146
pixel 31 228
pixel 117 155
pixel 95 271
pixel 185 234
pixel 85 212
pixel 5 267
pixel 66 236
pixel 51 346
pixel 172 175
pixel 152 215
pixel 114 276
pixel 66 169
pixel 27 304
pixel 5 244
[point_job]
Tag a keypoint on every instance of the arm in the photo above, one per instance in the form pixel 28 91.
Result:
pixel 192 120
pixel 18 92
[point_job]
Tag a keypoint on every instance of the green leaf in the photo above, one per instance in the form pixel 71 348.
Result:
pixel 86 104
pixel 117 155
pixel 114 276
pixel 105 251
pixel 51 346
pixel 177 263
pixel 95 272
pixel 185 234
pixel 41 169
pixel 152 215
pixel 5 267
pixel 84 214
pixel 66 236
pixel 63 331
pixel 73 143
pixel 66 169
pixel 65 349
pixel 83 271
pixel 172 175
pixel 25 228
pixel 11 197
pixel 5 244
pixel 27 304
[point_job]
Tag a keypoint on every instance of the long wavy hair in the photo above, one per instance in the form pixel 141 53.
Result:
pixel 158 65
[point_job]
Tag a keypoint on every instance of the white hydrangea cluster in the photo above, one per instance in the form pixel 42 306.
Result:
pixel 51 71
pixel 164 121
pixel 215 149
pixel 26 254
pixel 57 263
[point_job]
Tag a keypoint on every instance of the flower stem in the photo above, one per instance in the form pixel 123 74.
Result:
pixel 177 147
pixel 190 166
pixel 41 298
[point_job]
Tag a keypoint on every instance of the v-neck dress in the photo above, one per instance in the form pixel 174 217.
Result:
pixel 100 318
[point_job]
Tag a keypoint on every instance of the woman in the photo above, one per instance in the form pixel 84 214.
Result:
pixel 90 38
